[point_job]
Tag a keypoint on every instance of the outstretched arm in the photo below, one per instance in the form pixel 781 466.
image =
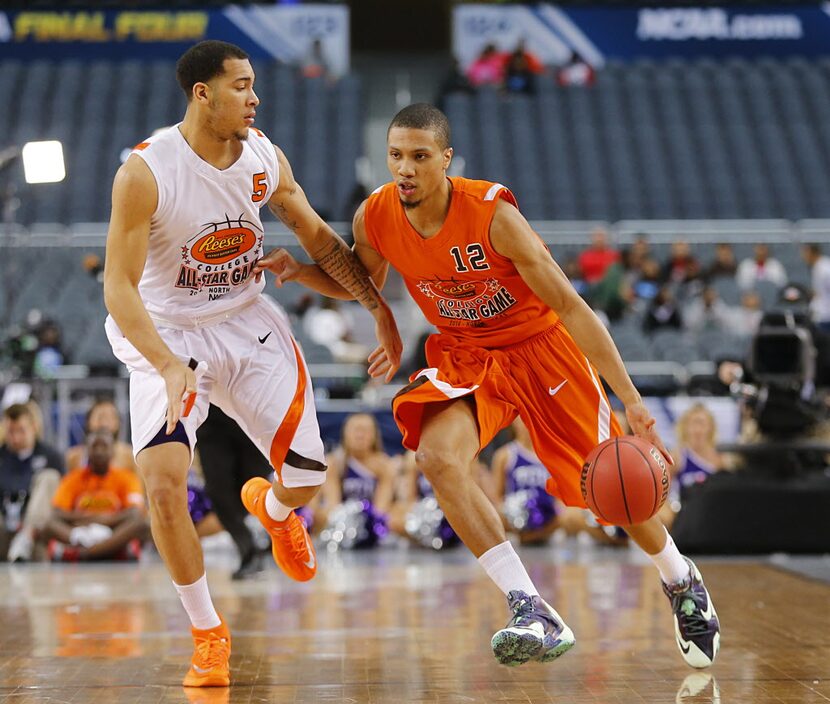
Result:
pixel 512 237
pixel 334 257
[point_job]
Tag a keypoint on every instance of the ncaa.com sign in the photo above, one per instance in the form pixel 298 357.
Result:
pixel 683 24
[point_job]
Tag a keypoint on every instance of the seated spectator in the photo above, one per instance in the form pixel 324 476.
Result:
pixel 330 326
pixel 708 312
pixel 647 285
pixel 820 284
pixel 487 69
pixel 576 72
pixel 747 317
pixel 724 263
pixel 359 471
pixel 612 294
pixel 103 415
pixel 595 260
pixel 761 267
pixel 454 82
pixel 49 355
pixel 314 64
pixel 98 511
pixel 533 62
pixel 663 312
pixel 695 459
pixel 29 475
pixel 682 266
pixel 518 78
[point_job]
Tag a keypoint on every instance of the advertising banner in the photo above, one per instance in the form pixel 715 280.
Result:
pixel 597 34
pixel 281 32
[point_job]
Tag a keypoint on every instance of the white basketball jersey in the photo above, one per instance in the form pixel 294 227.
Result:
pixel 206 233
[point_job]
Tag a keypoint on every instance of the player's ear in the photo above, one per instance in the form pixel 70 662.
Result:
pixel 200 92
pixel 447 157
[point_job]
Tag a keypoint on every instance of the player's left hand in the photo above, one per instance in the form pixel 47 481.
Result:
pixel 642 425
pixel 386 357
pixel 280 263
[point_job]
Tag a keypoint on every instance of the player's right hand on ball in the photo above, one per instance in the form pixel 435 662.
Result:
pixel 280 263
pixel 642 425
pixel 180 381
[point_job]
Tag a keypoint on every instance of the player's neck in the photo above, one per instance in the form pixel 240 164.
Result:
pixel 219 153
pixel 429 217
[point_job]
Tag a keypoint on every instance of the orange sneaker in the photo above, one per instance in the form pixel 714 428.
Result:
pixel 211 652
pixel 290 542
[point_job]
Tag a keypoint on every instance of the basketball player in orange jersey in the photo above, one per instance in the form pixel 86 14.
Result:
pixel 188 318
pixel 514 339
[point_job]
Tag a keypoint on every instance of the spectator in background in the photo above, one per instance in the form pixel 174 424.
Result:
pixel 98 511
pixel 747 317
pixel 576 72
pixel 708 312
pixel 103 415
pixel 49 355
pixel 29 474
pixel 695 459
pixel 93 265
pixel 724 263
pixel 329 325
pixel 454 82
pixel 663 312
pixel 819 283
pixel 761 267
pixel 358 470
pixel 594 261
pixel 634 256
pixel 314 64
pixel 518 78
pixel 533 62
pixel 682 266
pixel 487 69
pixel 647 286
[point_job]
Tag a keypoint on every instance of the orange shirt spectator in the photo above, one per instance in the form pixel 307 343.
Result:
pixel 594 262
pixel 85 491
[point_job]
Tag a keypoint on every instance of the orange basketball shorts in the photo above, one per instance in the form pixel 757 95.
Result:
pixel 546 380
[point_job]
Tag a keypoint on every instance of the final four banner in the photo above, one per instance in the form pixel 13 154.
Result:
pixel 553 33
pixel 284 32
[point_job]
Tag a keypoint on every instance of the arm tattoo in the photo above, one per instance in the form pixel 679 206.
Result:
pixel 342 265
pixel 282 213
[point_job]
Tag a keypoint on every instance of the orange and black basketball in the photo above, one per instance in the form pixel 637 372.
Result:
pixel 625 480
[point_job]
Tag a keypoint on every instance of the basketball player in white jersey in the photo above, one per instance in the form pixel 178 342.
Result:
pixel 188 318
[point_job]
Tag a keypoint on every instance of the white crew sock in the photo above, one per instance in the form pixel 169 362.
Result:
pixel 277 511
pixel 196 601
pixel 673 568
pixel 503 566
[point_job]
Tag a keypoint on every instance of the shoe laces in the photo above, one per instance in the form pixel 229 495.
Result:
pixel 211 651
pixel 525 613
pixel 688 607
pixel 296 533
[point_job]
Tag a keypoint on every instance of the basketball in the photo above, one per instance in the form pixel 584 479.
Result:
pixel 625 480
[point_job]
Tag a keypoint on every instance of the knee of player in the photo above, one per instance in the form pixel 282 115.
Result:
pixel 439 465
pixel 166 494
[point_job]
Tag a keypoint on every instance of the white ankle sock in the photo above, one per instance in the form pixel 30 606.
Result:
pixel 673 568
pixel 503 566
pixel 196 601
pixel 277 511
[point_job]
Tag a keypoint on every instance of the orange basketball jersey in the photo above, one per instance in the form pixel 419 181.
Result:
pixel 463 286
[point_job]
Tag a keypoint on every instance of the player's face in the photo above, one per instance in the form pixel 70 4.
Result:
pixel 232 100
pixel 417 164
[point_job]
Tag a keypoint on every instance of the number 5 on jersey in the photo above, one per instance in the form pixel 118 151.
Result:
pixel 475 258
pixel 259 188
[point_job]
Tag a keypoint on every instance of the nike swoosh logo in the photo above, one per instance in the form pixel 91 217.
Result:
pixel 684 647
pixel 553 391
pixel 200 670
pixel 310 564
pixel 263 339
pixel 709 612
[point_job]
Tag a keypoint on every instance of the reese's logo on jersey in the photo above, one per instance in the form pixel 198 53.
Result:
pixel 220 256
pixel 468 302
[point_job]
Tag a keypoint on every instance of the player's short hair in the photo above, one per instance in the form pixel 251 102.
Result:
pixel 423 116
pixel 204 61
pixel 17 411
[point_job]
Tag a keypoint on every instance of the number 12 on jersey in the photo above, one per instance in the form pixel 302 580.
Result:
pixel 475 258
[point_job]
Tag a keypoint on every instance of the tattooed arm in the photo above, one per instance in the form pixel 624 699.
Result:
pixel 334 257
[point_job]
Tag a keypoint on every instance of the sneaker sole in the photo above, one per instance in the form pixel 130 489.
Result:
pixel 559 649
pixel 513 649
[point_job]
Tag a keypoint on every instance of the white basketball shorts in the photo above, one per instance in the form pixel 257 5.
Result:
pixel 250 366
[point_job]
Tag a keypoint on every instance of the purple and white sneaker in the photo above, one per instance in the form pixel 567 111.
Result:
pixel 536 632
pixel 696 624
